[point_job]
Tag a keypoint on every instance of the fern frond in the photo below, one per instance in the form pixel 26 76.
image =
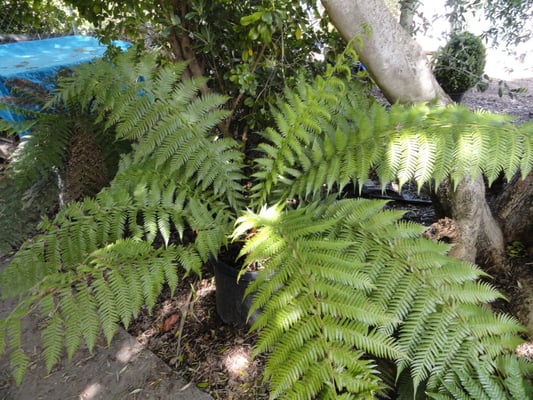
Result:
pixel 120 289
pixel 304 122
pixel 416 143
pixel 53 336
pixel 512 371
pixel 96 260
pixel 73 333
pixel 107 306
pixel 19 363
pixel 90 323
pixel 311 304
pixel 349 276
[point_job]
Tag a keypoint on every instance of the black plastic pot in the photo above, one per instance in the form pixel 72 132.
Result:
pixel 457 97
pixel 231 307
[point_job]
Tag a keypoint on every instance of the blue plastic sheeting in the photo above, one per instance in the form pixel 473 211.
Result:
pixel 39 60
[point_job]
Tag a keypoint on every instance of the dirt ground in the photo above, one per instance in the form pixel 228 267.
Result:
pixel 521 106
pixel 184 340
pixel 124 370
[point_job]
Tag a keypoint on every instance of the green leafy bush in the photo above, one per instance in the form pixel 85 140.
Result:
pixel 460 64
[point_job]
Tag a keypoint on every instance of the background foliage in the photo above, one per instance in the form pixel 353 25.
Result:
pixel 460 64
pixel 35 17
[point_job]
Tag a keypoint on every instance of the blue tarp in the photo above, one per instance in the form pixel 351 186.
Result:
pixel 39 60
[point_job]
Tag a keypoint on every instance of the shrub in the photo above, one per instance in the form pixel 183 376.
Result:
pixel 459 65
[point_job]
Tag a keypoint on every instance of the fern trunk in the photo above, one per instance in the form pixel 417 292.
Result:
pixel 514 210
pixel 480 236
pixel 400 68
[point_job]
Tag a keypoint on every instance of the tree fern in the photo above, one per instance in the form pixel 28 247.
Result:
pixel 348 291
pixel 307 316
pixel 63 155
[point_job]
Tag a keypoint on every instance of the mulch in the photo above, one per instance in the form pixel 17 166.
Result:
pixel 186 332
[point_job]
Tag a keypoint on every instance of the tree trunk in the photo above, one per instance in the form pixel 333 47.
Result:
pixel 480 236
pixel 407 13
pixel 514 209
pixel 402 71
pixel 395 61
pixel 181 47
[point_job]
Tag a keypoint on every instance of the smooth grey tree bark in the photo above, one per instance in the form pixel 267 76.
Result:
pixel 396 62
pixel 407 13
pixel 401 69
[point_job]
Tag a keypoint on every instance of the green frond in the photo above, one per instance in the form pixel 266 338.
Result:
pixel 189 259
pixel 346 276
pixel 356 309
pixel 430 346
pixel 414 324
pixel 119 287
pixel 472 292
pixel 309 313
pixel 139 99
pixel 19 363
pixel 152 284
pixel 90 323
pixel 359 337
pixel 450 272
pixel 526 164
pixel 512 371
pixel 467 388
pixel 482 322
pixel 418 143
pixel 70 309
pixel 53 336
pixel 491 383
pixel 133 283
pixel 306 134
pixel 107 306
pixel 395 291
pixel 456 351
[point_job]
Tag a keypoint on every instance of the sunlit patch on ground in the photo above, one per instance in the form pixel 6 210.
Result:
pixel 92 391
pixel 236 361
pixel 208 353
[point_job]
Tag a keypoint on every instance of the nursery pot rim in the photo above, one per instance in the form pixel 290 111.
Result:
pixel 247 276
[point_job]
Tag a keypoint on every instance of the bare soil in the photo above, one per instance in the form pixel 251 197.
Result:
pixel 185 331
pixel 520 106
